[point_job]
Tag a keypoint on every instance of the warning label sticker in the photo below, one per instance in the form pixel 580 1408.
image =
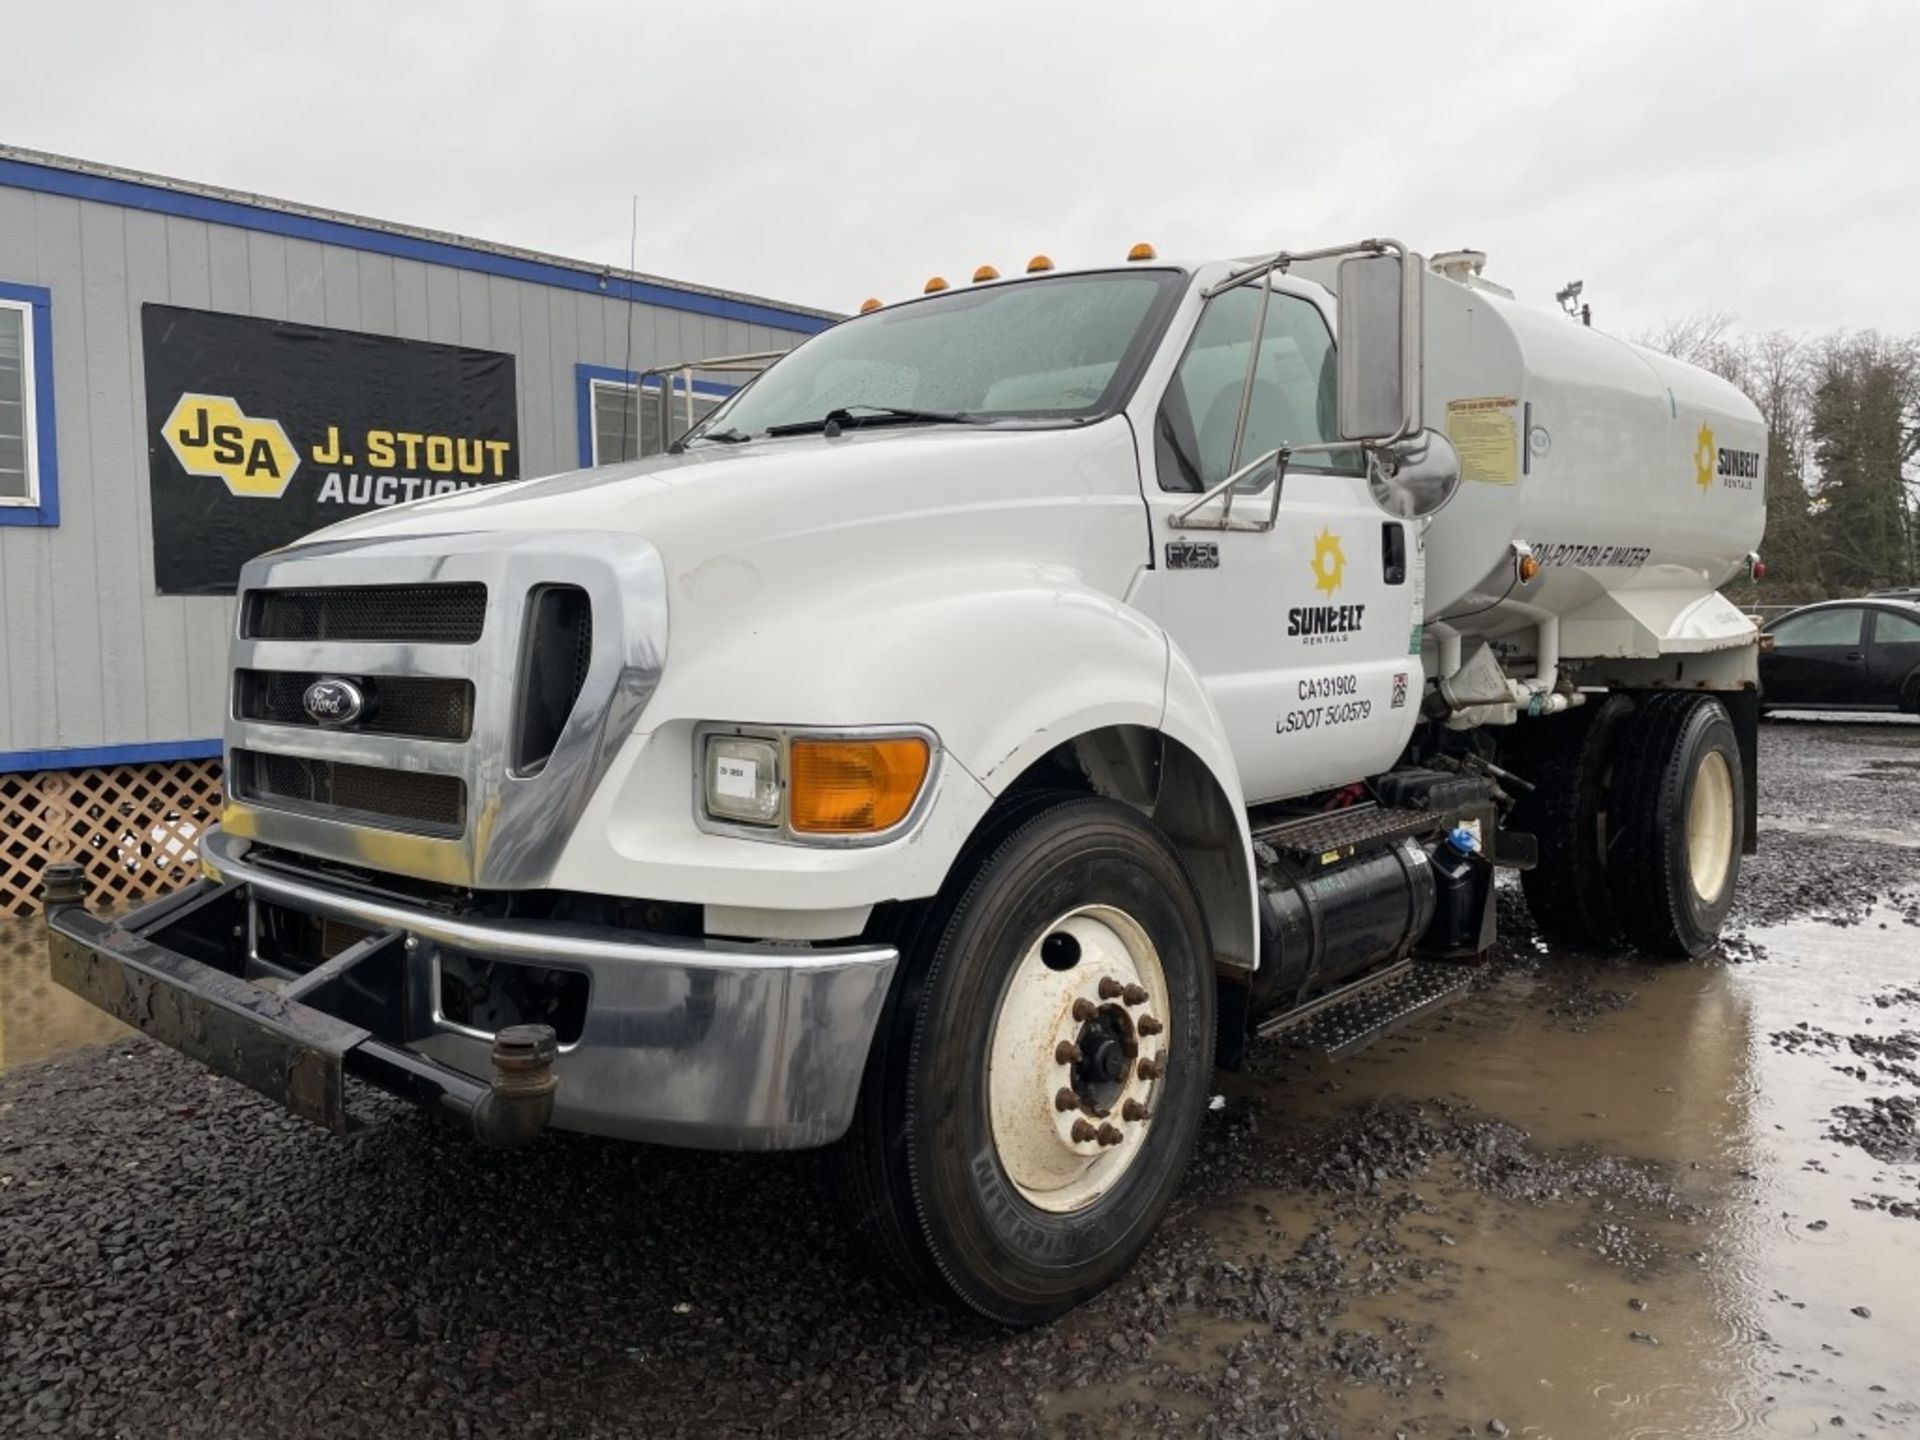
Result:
pixel 1485 433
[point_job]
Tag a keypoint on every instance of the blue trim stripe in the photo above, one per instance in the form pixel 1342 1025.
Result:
pixel 583 377
pixel 83 757
pixel 188 206
pixel 46 442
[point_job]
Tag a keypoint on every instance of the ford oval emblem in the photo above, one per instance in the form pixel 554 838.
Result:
pixel 334 702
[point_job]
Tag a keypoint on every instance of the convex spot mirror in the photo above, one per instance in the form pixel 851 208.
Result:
pixel 1416 477
pixel 1379 345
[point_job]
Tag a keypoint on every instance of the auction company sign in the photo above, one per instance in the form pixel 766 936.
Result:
pixel 261 431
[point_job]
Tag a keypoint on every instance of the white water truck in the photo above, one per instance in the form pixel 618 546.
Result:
pixel 991 719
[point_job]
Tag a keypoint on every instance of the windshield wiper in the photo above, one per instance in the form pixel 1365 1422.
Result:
pixel 729 436
pixel 838 419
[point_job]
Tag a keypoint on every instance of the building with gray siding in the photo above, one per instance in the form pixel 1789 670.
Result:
pixel 99 667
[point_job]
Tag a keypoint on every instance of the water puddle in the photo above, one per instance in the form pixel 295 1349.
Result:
pixel 39 1019
pixel 1709 1228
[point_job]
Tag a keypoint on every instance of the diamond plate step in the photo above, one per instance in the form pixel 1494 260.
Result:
pixel 1341 832
pixel 1344 1022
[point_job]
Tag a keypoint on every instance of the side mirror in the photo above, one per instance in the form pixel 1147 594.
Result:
pixel 1379 345
pixel 1413 478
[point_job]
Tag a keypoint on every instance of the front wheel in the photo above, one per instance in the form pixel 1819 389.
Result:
pixel 1676 819
pixel 1031 1106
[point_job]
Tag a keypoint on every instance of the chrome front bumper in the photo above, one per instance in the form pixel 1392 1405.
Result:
pixel 741 1046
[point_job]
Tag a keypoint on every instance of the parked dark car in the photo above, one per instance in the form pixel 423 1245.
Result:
pixel 1844 655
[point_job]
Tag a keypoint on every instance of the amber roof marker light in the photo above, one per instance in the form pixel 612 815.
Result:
pixel 1038 264
pixel 934 286
pixel 985 273
pixel 870 304
pixel 1142 251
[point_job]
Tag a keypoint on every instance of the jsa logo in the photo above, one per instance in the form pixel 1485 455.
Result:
pixel 213 438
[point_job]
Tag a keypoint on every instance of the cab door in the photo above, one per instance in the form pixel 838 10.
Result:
pixel 1305 635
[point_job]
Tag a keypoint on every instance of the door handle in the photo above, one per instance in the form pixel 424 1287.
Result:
pixel 1855 655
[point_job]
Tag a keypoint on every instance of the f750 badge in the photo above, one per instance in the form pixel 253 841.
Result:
pixel 1193 555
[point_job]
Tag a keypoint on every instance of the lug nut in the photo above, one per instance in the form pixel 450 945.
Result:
pixel 1151 1069
pixel 1150 1026
pixel 1083 1132
pixel 1110 988
pixel 1134 994
pixel 1134 1110
pixel 1066 1100
pixel 1084 1009
pixel 1108 1135
pixel 1067 1053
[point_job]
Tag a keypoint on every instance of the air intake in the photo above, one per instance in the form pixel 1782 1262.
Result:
pixel 556 653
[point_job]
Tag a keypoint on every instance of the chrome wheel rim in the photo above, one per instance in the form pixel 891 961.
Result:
pixel 1077 1058
pixel 1710 827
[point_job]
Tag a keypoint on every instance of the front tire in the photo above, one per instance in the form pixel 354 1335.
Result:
pixel 1033 1100
pixel 1676 819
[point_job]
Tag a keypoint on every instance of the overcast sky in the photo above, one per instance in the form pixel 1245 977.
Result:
pixel 1757 158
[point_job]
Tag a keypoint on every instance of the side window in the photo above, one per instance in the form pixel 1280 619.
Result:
pixel 1818 627
pixel 29 468
pixel 1294 399
pixel 1890 628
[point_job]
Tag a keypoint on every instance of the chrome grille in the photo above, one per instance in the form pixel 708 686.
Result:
pixel 500 673
pixel 401 614
pixel 434 803
pixel 428 707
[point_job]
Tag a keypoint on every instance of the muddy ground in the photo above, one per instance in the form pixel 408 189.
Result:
pixel 1602 1198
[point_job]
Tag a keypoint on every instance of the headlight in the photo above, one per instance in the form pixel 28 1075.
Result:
pixel 743 779
pixel 825 787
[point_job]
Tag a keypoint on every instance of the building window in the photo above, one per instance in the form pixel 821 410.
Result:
pixel 625 430
pixel 28 491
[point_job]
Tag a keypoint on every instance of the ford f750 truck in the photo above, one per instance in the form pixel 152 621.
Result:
pixel 986 723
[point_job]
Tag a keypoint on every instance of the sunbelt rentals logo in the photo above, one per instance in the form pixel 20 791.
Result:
pixel 1734 469
pixel 1326 624
pixel 212 437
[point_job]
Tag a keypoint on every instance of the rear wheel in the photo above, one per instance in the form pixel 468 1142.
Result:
pixel 1566 759
pixel 1676 818
pixel 1031 1104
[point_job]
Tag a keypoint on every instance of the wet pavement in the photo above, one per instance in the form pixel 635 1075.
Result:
pixel 1599 1198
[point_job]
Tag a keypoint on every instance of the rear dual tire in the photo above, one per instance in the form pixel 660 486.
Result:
pixel 961 1172
pixel 1678 816
pixel 1639 808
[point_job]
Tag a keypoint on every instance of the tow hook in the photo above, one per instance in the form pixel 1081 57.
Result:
pixel 519 1103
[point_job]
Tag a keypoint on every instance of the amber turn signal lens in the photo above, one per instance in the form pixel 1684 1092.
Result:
pixel 854 787
pixel 1529 567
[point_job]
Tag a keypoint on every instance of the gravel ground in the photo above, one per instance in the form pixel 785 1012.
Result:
pixel 179 1258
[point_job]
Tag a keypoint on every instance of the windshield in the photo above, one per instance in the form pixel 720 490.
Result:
pixel 1064 348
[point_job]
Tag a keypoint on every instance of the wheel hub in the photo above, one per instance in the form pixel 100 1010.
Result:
pixel 1078 1058
pixel 1710 837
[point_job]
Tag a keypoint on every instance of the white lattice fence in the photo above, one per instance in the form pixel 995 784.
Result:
pixel 135 828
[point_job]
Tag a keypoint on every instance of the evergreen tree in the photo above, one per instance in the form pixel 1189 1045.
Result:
pixel 1863 428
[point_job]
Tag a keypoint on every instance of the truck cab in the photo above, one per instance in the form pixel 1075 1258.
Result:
pixel 1002 710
